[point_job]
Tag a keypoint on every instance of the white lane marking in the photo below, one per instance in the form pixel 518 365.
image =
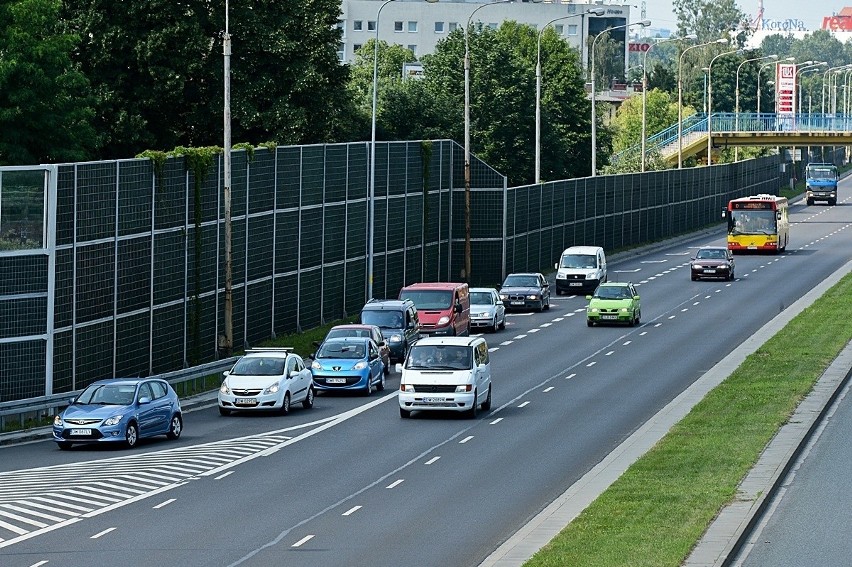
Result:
pixel 33 512
pixel 18 518
pixel 625 343
pixel 653 262
pixel 527 314
pixel 492 349
pixel 533 330
pixel 432 460
pixel 466 439
pixel 13 528
pixel 570 375
pixel 558 319
pixel 580 310
pixel 571 314
pixel 546 324
pixel 496 421
pixel 523 404
pixel 609 353
pixel 303 541
pixel 221 476
pixel 166 503
pixel 549 388
pixel 684 310
pixel 39 564
pixel 519 337
pixel 99 534
pixel 395 483
pixel 351 511
pixel 643 333
pixel 672 316
pixel 592 363
pixel 696 303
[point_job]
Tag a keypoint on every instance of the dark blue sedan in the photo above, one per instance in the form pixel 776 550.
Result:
pixel 120 410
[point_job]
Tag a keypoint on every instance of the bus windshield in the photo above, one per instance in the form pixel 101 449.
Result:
pixel 753 221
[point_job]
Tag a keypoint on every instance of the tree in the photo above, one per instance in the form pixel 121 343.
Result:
pixel 660 113
pixel 45 111
pixel 709 19
pixel 609 59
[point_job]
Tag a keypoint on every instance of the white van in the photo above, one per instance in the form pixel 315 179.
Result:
pixel 446 373
pixel 580 269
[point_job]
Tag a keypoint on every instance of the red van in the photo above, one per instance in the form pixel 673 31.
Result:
pixel 443 307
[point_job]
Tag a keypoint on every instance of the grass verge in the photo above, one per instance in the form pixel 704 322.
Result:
pixel 659 508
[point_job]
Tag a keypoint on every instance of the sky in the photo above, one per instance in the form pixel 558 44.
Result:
pixel 810 13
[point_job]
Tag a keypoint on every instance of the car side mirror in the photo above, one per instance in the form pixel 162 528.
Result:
pixel 589 297
pixel 636 297
pixel 72 400
pixel 724 213
pixel 556 266
pixel 226 373
pixel 293 374
pixel 144 400
pixel 499 302
pixel 316 344
pixel 373 356
pixel 381 343
pixel 397 367
pixel 457 308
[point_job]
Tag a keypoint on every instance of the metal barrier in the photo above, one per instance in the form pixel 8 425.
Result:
pixel 36 409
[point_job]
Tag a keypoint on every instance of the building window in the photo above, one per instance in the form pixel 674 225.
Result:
pixel 439 27
pixel 356 47
pixel 572 29
pixel 559 28
pixel 371 25
pixel 397 26
pixel 358 25
pixel 413 49
pixel 492 26
pixel 412 27
pixel 454 26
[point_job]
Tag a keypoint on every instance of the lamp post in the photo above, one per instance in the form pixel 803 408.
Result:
pixel 593 11
pixel 227 345
pixel 806 67
pixel 680 97
pixel 644 24
pixel 371 223
pixel 825 79
pixel 690 36
pixel 737 96
pixel 710 104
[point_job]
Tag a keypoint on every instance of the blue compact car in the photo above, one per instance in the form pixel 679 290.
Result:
pixel 350 363
pixel 120 410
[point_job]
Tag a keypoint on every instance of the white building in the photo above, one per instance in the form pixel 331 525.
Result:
pixel 419 24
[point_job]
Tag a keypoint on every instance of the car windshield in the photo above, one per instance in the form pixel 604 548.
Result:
pixel 439 356
pixel 711 254
pixel 613 292
pixel 752 222
pixel 481 298
pixel 342 350
pixel 581 261
pixel 386 319
pixel 429 298
pixel 108 394
pixel 258 366
pixel 520 281
pixel 336 333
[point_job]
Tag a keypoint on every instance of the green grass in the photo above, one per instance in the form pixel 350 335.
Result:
pixel 658 509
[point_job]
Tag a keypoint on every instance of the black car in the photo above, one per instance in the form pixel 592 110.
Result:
pixel 712 262
pixel 525 291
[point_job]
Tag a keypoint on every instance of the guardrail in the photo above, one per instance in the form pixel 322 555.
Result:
pixel 43 406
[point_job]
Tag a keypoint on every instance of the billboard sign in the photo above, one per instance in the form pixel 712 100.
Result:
pixel 785 88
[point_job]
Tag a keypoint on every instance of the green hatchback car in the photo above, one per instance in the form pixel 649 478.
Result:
pixel 614 302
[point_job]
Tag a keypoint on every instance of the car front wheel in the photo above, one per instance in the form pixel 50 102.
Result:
pixel 64 445
pixel 404 413
pixel 175 427
pixel 131 435
pixel 224 411
pixel 285 404
pixel 471 413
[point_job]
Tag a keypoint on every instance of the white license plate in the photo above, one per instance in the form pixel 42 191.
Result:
pixel 752 247
pixel 245 402
pixel 709 271
pixel 335 380
pixel 434 400
pixel 576 283
pixel 517 303
pixel 609 316
pixel 81 432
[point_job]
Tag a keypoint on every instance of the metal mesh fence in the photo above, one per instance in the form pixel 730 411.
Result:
pixel 128 276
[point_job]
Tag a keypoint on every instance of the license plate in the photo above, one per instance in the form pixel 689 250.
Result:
pixel 434 400
pixel 517 303
pixel 576 283
pixel 709 271
pixel 81 432
pixel 335 380
pixel 609 316
pixel 752 247
pixel 245 402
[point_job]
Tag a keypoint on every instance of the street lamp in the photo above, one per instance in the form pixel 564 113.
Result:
pixel 593 11
pixel 227 345
pixel 680 97
pixel 372 196
pixel 690 36
pixel 737 96
pixel 806 67
pixel 710 103
pixel 644 24
pixel 825 79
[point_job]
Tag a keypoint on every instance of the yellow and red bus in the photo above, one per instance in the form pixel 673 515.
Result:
pixel 759 222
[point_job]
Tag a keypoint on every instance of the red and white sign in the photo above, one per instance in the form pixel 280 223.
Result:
pixel 785 88
pixel 637 46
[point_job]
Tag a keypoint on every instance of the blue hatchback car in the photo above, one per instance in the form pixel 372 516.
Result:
pixel 348 363
pixel 120 410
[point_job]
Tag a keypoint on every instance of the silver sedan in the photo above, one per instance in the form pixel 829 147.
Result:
pixel 486 309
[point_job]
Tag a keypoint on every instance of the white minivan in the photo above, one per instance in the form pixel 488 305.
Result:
pixel 446 373
pixel 580 269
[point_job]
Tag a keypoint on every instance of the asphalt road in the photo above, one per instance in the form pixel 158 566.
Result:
pixel 350 483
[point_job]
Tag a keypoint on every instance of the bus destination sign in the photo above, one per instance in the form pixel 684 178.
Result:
pixel 753 205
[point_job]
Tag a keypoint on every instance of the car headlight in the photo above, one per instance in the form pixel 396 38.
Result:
pixel 443 320
pixel 532 296
pixel 590 275
pixel 464 388
pixel 395 338
pixel 504 297
pixel 697 266
pixel 561 276
pixel 224 388
pixel 624 309
pixel 272 389
pixel 482 314
pixel 360 366
pixel 57 421
pixel 593 309
pixel 315 365
pixel 406 388
pixel 113 420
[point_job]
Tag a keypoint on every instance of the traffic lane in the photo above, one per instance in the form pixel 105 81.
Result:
pixel 807 521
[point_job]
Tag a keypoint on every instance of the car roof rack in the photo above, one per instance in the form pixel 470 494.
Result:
pixel 270 349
